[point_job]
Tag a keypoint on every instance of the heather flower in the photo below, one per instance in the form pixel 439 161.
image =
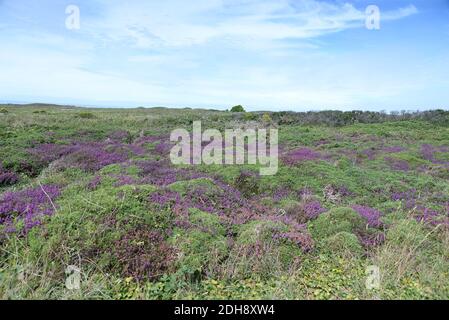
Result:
pixel 28 206
pixel 89 156
pixel 393 149
pixel 428 152
pixel 306 211
pixel 94 183
pixel 301 155
pixel 372 240
pixel 141 141
pixel 301 239
pixel 86 156
pixel 123 180
pixel 165 197
pixel 143 254
pixel 304 193
pixel 371 215
pixel 430 216
pixel 163 148
pixel 396 164
pixel 407 195
pixel 224 200
pixel 281 193
pixel 343 191
pixel 370 153
pixel 7 178
pixel 159 172
pixel 313 209
pixel 120 136
pixel 297 233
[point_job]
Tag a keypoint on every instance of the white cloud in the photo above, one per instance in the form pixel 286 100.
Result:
pixel 176 23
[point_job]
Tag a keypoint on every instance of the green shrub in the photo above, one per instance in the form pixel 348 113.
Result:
pixel 182 187
pixel 201 247
pixel 413 261
pixel 266 118
pixel 86 115
pixel 343 244
pixel 237 108
pixel 406 232
pixel 247 183
pixel 256 252
pixel 250 116
pixel 4 110
pixel 335 221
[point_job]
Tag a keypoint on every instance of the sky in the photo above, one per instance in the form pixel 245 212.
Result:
pixel 266 55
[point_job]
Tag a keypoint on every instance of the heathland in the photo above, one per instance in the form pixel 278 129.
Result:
pixel 358 209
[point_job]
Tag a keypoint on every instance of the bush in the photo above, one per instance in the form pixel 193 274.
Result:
pixel 343 244
pixel 238 108
pixel 143 254
pixel 4 110
pixel 335 221
pixel 305 210
pixel 250 116
pixel 414 262
pixel 8 178
pixel 406 232
pixel 247 183
pixel 266 118
pixel 201 246
pixel 86 115
pixel 257 251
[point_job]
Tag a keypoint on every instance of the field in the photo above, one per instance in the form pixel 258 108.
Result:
pixel 359 208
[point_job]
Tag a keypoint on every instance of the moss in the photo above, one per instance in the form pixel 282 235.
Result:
pixel 335 221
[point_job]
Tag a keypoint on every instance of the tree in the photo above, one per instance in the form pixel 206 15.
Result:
pixel 238 108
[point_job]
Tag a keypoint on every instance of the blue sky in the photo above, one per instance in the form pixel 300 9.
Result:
pixel 271 55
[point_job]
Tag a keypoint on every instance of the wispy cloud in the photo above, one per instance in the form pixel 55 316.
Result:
pixel 155 24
